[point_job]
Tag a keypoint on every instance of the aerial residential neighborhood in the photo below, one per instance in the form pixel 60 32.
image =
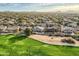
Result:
pixel 39 29
pixel 45 24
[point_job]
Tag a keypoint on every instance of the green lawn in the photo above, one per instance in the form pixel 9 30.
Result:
pixel 11 45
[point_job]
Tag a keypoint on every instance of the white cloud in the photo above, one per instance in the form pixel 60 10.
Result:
pixel 62 8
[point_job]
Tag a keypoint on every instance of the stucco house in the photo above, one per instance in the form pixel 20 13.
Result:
pixel 44 30
pixel 69 31
pixel 38 30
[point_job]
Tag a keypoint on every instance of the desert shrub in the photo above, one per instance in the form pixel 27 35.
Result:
pixel 76 37
pixel 70 41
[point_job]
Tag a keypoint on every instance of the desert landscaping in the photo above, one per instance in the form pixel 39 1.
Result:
pixel 54 40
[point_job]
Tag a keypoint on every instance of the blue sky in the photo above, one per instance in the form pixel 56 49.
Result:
pixel 24 7
pixel 37 7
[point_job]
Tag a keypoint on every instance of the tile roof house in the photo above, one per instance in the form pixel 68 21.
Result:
pixel 38 30
pixel 68 31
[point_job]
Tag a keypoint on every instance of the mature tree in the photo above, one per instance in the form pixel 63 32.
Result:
pixel 78 23
pixel 27 32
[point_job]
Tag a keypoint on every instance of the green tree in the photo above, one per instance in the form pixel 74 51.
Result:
pixel 78 23
pixel 27 32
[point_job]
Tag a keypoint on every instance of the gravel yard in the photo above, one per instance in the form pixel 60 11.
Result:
pixel 56 40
